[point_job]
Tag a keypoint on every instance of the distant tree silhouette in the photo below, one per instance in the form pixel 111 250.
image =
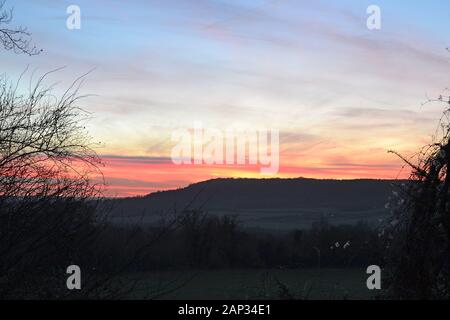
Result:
pixel 418 234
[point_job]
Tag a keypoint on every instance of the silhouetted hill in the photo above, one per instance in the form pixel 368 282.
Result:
pixel 270 201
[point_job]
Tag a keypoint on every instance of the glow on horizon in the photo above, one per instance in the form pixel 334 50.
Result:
pixel 340 94
pixel 140 176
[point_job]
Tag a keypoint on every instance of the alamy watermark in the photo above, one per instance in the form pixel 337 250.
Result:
pixel 373 21
pixel 232 146
pixel 73 21
pixel 374 280
pixel 73 281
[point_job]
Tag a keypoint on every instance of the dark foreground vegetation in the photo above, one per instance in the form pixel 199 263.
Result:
pixel 202 241
pixel 116 261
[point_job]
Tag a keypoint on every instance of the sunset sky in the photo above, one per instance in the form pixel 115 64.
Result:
pixel 340 95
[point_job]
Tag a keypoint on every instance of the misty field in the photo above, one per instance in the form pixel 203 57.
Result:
pixel 283 220
pixel 253 284
pixel 277 220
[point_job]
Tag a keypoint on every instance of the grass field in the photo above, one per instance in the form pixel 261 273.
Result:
pixel 253 284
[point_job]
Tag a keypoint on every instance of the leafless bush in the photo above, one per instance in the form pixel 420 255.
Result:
pixel 47 196
pixel 418 234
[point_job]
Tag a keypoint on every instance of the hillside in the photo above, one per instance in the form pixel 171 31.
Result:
pixel 269 203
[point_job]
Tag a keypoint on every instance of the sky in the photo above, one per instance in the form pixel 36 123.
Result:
pixel 339 94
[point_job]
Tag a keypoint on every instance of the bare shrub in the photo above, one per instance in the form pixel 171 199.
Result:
pixel 418 234
pixel 47 197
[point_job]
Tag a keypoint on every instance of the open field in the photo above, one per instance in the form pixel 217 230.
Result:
pixel 283 220
pixel 278 220
pixel 252 284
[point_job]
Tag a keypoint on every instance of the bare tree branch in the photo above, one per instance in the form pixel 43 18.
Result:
pixel 16 39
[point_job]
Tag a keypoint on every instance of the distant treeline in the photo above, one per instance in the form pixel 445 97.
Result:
pixel 212 242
